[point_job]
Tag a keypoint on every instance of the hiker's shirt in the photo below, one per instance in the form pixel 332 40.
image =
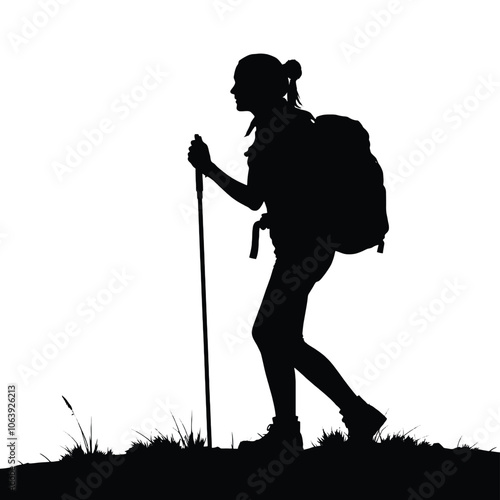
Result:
pixel 280 165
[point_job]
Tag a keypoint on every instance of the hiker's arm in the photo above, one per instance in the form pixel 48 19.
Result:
pixel 242 193
pixel 245 194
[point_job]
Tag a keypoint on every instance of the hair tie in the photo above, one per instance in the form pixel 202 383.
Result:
pixel 292 69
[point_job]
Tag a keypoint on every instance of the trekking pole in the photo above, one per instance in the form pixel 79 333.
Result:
pixel 199 193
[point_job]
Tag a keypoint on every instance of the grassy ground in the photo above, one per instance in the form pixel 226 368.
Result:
pixel 395 467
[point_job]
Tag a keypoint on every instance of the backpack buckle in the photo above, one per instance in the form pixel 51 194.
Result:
pixel 263 223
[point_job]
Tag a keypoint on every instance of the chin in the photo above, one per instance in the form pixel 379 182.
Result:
pixel 240 106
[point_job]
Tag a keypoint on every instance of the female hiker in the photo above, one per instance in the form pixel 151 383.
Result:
pixel 281 175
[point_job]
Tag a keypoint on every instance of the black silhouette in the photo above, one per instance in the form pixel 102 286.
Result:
pixel 287 168
pixel 324 194
pixel 199 195
pixel 394 469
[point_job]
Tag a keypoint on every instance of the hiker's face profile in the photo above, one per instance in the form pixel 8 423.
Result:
pixel 251 91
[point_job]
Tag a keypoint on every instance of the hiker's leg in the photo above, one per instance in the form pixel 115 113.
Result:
pixel 321 372
pixel 310 362
pixel 278 334
pixel 280 375
pixel 277 328
pixel 361 419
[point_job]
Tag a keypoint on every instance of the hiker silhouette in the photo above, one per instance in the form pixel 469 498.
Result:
pixel 284 174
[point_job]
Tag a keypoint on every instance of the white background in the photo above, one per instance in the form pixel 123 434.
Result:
pixel 129 205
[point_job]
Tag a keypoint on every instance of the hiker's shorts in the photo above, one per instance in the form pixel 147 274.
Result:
pixel 280 320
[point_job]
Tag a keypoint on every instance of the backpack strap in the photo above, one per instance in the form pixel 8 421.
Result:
pixel 263 223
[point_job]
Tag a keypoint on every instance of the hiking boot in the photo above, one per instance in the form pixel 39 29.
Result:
pixel 362 421
pixel 280 434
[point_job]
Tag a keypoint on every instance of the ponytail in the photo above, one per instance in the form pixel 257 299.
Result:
pixel 293 71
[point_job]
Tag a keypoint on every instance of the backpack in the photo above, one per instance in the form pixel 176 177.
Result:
pixel 351 184
pixel 349 193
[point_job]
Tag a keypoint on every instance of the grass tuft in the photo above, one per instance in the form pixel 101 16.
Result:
pixel 78 451
pixel 187 440
pixel 402 439
pixel 332 439
pixel 396 440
